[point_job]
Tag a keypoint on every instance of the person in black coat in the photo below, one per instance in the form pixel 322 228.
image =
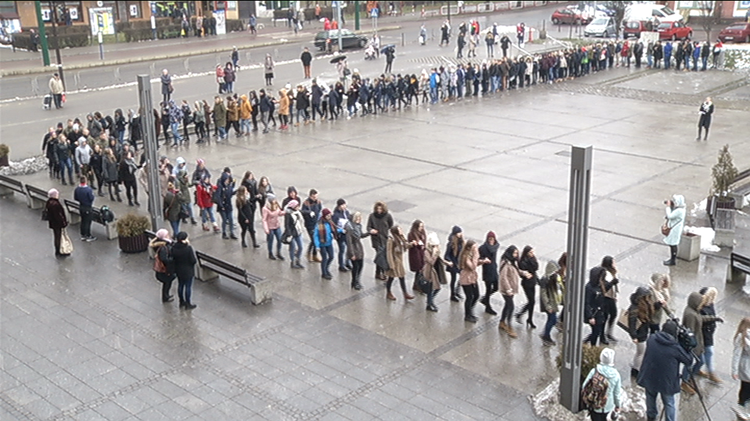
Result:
pixel 56 219
pixel 660 370
pixel 246 214
pixel 593 312
pixel 184 267
pixel 640 313
pixel 306 59
pixel 704 121
pixel 452 252
pixel 528 263
pixel 488 250
pixel 164 268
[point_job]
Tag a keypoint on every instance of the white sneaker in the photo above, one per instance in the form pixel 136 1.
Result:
pixel 741 411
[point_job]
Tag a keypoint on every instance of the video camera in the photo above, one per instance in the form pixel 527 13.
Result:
pixel 685 335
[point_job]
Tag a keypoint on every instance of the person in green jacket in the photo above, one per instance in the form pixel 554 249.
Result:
pixel 220 117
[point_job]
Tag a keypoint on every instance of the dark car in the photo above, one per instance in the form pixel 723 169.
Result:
pixel 736 32
pixel 328 40
pixel 572 16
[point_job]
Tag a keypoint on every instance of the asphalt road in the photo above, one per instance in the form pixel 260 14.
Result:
pixel 24 122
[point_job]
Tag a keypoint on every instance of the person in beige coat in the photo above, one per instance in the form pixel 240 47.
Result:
pixel 434 269
pixel 56 89
pixel 509 277
pixel 395 249
pixel 469 262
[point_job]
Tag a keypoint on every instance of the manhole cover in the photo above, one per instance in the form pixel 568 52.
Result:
pixel 399 206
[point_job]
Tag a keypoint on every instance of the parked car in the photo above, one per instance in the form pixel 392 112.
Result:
pixel 326 40
pixel 601 27
pixel 571 16
pixel 736 32
pixel 674 31
pixel 651 12
pixel 634 28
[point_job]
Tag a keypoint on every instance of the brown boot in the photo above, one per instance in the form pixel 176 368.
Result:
pixel 390 296
pixel 687 388
pixel 503 326
pixel 714 378
pixel 511 332
pixel 407 296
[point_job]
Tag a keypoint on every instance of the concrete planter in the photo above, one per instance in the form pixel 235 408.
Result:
pixel 690 246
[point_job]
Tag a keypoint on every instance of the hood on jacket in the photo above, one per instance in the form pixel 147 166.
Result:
pixel 595 274
pixel 640 292
pixel 694 300
pixel 678 200
pixel 551 268
pixel 665 339
pixel 243 97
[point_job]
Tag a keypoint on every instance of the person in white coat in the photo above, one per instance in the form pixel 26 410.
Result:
pixel 675 216
pixel 741 367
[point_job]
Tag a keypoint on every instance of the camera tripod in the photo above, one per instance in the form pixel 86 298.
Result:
pixel 694 385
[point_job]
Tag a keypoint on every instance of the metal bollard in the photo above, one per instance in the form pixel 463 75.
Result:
pixel 186 64
pixel 402 39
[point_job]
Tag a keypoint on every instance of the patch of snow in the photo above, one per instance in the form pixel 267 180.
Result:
pixel 27 166
pixel 546 404
pixel 699 209
pixel 707 237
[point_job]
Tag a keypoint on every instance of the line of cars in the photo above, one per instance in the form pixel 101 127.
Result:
pixel 639 18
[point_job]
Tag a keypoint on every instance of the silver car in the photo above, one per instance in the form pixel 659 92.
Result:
pixel 601 27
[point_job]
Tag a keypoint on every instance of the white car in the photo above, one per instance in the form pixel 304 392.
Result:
pixel 601 27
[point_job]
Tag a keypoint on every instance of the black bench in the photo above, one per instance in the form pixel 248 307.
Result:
pixel 8 186
pixel 739 268
pixel 209 268
pixel 74 217
pixel 37 197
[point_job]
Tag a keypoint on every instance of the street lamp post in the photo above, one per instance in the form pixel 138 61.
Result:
pixel 53 16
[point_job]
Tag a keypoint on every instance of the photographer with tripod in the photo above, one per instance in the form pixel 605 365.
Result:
pixel 660 370
pixel 693 320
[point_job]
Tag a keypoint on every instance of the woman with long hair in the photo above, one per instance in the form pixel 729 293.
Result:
pixel 488 251
pixel 452 251
pixel 529 264
pixel 355 251
pixel 741 366
pixel 659 286
pixel 709 327
pixel 395 248
pixel 639 316
pixel 245 214
pixel 509 277
pixel 272 226
pixel 433 269
pixel 418 236
pixel 469 261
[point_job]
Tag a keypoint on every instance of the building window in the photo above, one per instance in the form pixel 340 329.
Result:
pixel 67 12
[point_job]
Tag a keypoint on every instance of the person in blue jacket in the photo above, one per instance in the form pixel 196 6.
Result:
pixel 325 233
pixel 667 54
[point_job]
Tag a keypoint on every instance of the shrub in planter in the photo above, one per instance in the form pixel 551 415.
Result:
pixel 4 155
pixel 131 232
pixel 589 359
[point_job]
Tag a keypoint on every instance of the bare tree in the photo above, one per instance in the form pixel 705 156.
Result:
pixel 710 15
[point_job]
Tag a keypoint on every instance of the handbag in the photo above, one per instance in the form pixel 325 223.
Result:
pixel 381 259
pixel 423 283
pixel 286 238
pixel 624 321
pixel 666 229
pixel 45 214
pixel 66 246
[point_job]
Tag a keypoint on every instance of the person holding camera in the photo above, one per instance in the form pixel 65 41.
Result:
pixel 672 229
pixel 660 370
pixel 694 320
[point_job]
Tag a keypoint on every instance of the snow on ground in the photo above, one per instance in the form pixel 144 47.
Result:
pixel 546 404
pixel 707 237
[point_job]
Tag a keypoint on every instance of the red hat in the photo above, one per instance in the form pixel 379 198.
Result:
pixel 491 234
pixel 326 212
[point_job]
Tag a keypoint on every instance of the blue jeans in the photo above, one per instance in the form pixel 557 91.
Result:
pixel 69 165
pixel 295 248
pixel 705 62
pixel 227 222
pixel 551 322
pixel 175 227
pixel 667 401
pixel 246 125
pixel 326 254
pixel 176 132
pixel 494 82
pixel 667 60
pixel 185 290
pixel 343 261
pixel 222 132
pixel 207 214
pixel 274 233
pixel 433 95
pixel 121 136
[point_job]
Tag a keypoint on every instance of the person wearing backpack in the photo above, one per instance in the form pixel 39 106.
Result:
pixel 164 268
pixel 660 370
pixel 601 390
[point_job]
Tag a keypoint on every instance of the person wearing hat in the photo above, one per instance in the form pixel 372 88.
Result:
pixel 56 219
pixel 434 269
pixel 163 262
pixel 340 217
pixel 294 226
pixel 488 251
pixel 660 370
pixel 323 237
pixel 184 267
pixel 550 298
pixel 606 368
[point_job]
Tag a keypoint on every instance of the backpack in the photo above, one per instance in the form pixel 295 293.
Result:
pixel 594 393
pixel 107 215
pixel 163 261
pixel 216 196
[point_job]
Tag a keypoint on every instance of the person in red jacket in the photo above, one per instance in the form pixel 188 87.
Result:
pixel 203 191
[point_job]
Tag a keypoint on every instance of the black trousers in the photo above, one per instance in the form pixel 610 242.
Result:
pixel 87 216
pixel 529 289
pixel 57 233
pixel 165 287
pixel 131 190
pixel 744 396
pixel 490 287
pixel 610 312
pixel 507 313
pixel 357 265
pixel 472 295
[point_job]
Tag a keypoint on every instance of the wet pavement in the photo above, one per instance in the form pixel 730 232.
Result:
pixel 87 337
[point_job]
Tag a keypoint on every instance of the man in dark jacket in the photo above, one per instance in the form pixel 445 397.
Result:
pixel 311 209
pixel 660 370
pixel 593 309
pixel 378 224
pixel 340 217
pixel 306 59
pixel 693 320
pixel 84 195
pixel 184 266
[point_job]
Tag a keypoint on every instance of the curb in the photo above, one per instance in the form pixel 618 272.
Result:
pixel 37 70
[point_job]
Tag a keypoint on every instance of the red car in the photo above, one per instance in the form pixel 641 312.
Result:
pixel 634 28
pixel 572 16
pixel 674 31
pixel 737 32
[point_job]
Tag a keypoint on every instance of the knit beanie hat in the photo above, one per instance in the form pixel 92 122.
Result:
pixel 607 357
pixel 162 234
pixel 670 327
pixel 340 202
pixel 326 212
pixel 456 229
pixel 491 234
pixel 182 236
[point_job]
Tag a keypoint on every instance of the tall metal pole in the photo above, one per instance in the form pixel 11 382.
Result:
pixel 356 16
pixel 53 10
pixel 341 26
pixel 449 12
pixel 42 33
pixel 150 145
pixel 578 235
